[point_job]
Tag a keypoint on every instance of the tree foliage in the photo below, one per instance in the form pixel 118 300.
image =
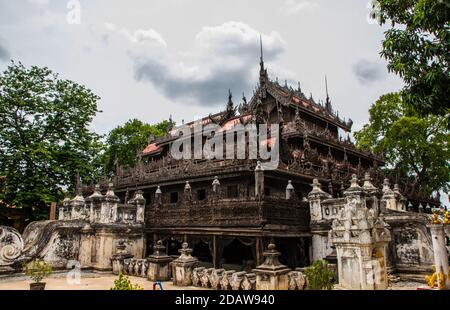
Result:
pixel 319 276
pixel 37 270
pixel 417 47
pixel 44 136
pixel 416 148
pixel 123 283
pixel 125 142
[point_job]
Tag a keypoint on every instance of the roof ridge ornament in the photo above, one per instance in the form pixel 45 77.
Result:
pixel 328 105
pixel 263 77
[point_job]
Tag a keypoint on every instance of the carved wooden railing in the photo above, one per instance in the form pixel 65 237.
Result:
pixel 250 212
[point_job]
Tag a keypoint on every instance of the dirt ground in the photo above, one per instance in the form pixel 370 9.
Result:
pixel 87 282
pixel 94 281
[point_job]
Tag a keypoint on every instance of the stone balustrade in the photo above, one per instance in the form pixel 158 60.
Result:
pixel 271 273
pixel 103 209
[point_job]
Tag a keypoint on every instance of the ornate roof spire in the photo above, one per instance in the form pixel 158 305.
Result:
pixel 230 104
pixel 244 99
pixel 262 54
pixel 328 106
pixel 263 71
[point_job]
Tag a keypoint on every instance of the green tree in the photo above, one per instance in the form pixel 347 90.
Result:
pixel 319 276
pixel 44 137
pixel 417 48
pixel 125 142
pixel 123 283
pixel 416 148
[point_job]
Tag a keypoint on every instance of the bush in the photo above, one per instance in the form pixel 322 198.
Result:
pixel 319 276
pixel 124 284
pixel 37 270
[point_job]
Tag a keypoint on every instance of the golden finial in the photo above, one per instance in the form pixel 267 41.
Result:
pixel 447 218
pixel 436 220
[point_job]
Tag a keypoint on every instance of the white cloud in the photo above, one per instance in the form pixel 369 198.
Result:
pixel 292 7
pixel 39 2
pixel 139 36
pixel 368 72
pixel 224 57
pixel 234 38
pixel 149 36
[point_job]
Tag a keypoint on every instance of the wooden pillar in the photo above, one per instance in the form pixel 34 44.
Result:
pixel 53 211
pixel 259 251
pixel 216 253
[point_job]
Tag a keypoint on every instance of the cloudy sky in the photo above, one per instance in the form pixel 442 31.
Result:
pixel 150 59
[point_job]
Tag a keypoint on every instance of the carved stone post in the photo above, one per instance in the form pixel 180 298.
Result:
pixel 78 205
pixel 158 196
pixel 182 267
pixel 290 191
pixel 361 239
pixel 216 185
pixel 372 193
pixel 206 277
pixel 216 276
pixel 399 199
pixel 139 202
pixel 187 191
pixel 96 200
pixel 421 209
pixel 319 236
pixel 440 256
pixel 315 197
pixel 272 275
pixel 158 268
pixel 249 282
pixel 236 280
pixel 259 180
pixel 64 210
pixel 109 206
pixel 388 200
pixel 117 260
pixel 86 244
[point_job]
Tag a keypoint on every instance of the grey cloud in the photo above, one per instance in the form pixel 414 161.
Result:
pixel 4 53
pixel 226 57
pixel 207 91
pixel 368 72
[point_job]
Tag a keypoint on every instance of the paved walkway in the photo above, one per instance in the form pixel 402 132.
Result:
pixel 95 281
pixel 87 282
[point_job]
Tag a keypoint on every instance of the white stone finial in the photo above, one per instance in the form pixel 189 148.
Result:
pixel 158 190
pixel 386 186
pixel 259 166
pixel 97 193
pixel 290 186
pixel 188 186
pixel 354 182
pixel 316 185
pixel 317 190
pixel 368 185
pixel 216 181
pixel 139 195
pixel 420 208
pixel 110 192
